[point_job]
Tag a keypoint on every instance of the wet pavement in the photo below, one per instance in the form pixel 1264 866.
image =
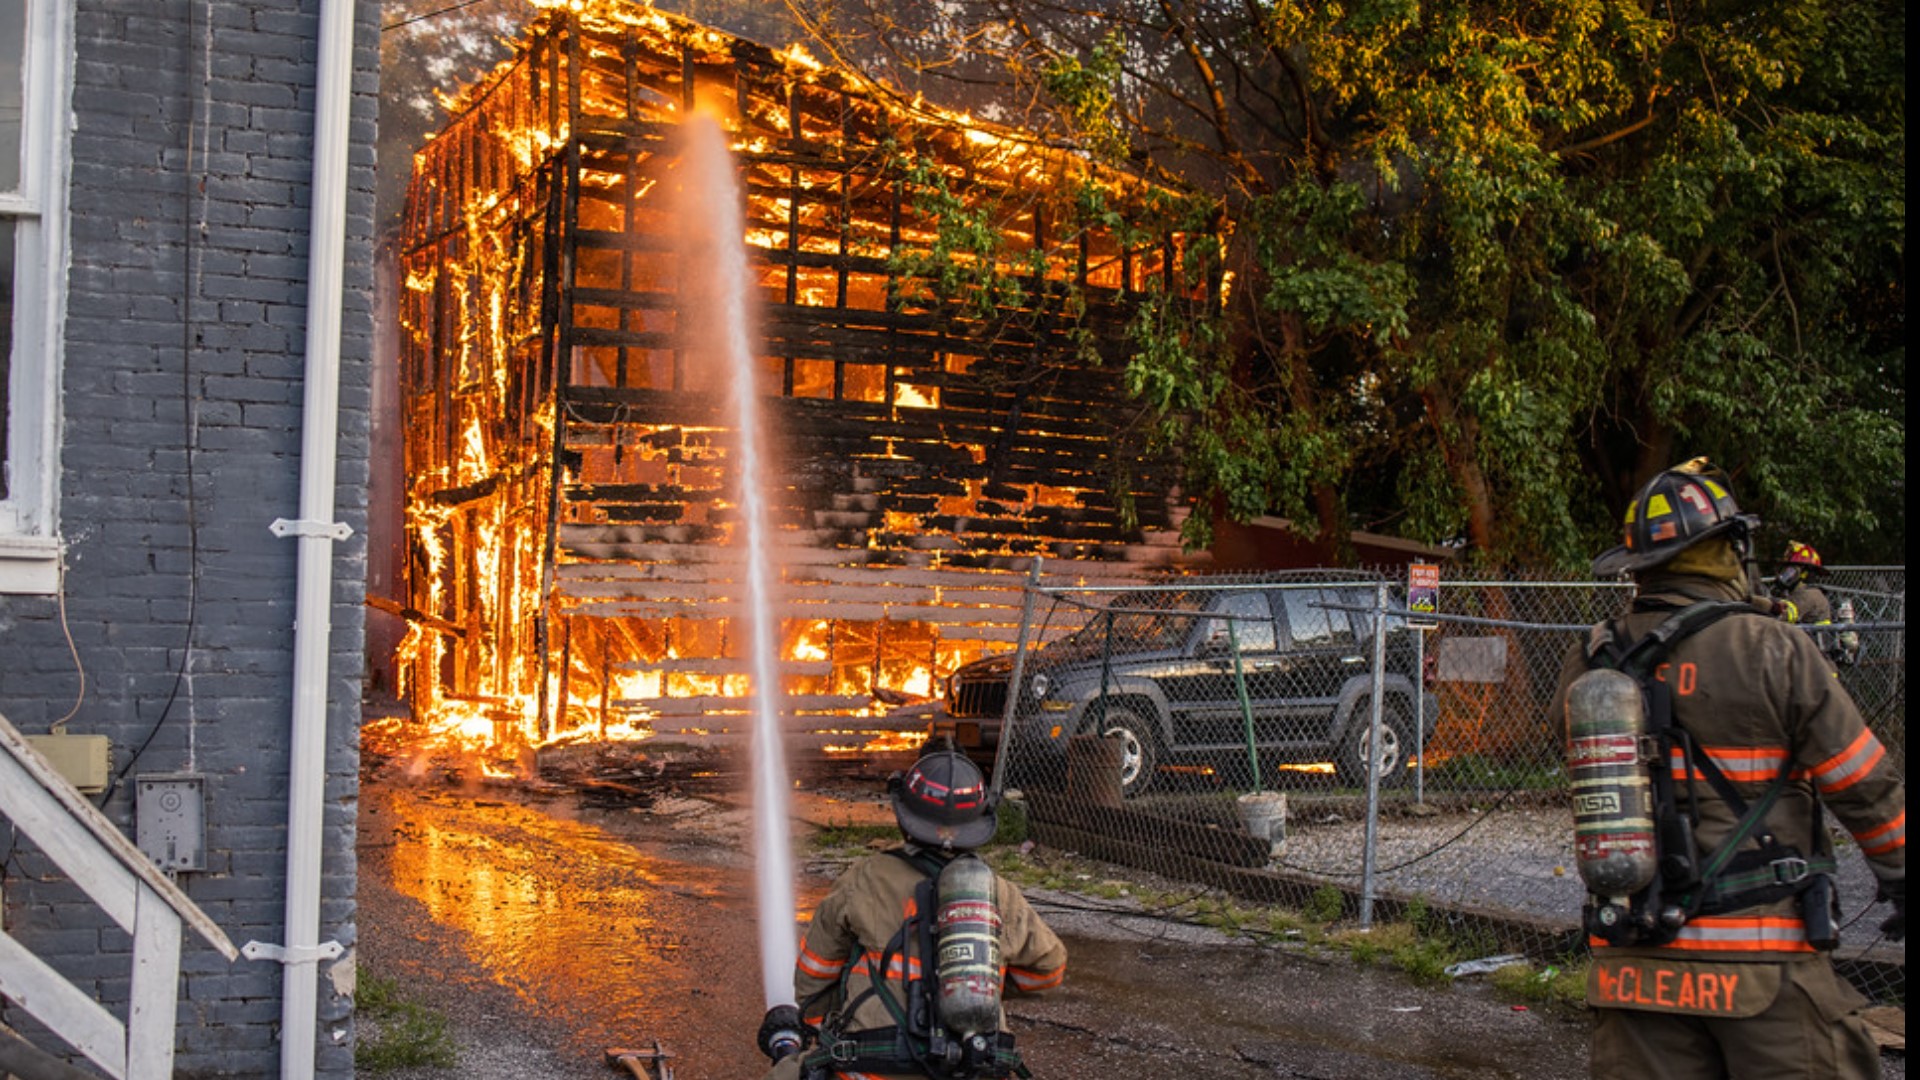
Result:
pixel 547 932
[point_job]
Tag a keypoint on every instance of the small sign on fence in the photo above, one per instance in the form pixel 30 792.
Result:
pixel 1423 593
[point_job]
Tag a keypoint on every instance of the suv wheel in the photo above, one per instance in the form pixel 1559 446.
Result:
pixel 1139 748
pixel 1396 746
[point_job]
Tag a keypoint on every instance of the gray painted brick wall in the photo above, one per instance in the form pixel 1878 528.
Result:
pixel 181 444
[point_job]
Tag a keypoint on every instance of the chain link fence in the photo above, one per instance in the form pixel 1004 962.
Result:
pixel 1219 730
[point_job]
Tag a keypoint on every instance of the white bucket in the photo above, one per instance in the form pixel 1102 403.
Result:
pixel 1264 813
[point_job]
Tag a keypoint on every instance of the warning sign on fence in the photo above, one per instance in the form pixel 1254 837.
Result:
pixel 1423 594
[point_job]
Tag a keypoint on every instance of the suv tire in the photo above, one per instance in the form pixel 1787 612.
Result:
pixel 1396 738
pixel 1139 748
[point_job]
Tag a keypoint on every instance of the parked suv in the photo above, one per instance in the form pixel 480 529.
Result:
pixel 1157 670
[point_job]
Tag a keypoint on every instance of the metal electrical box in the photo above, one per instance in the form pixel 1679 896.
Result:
pixel 170 820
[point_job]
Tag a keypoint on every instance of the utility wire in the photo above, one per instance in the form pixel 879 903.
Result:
pixel 190 254
pixel 423 16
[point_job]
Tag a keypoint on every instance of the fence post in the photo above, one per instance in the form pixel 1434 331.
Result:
pixel 1373 753
pixel 1031 590
pixel 1246 706
pixel 1419 714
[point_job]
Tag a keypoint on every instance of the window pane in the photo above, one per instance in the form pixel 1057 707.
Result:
pixel 13 43
pixel 1309 623
pixel 6 348
pixel 1254 628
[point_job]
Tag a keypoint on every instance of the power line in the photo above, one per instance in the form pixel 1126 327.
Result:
pixel 448 10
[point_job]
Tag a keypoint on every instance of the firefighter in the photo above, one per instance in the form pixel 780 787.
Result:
pixel 1803 603
pixel 1740 983
pixel 1793 584
pixel 874 921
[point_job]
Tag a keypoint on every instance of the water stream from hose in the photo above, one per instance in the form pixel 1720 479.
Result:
pixel 714 214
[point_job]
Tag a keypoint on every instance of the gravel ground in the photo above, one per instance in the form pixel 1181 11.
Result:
pixel 1517 860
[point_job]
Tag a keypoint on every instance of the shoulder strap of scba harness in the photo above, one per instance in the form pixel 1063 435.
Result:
pixel 1731 879
pixel 906 1045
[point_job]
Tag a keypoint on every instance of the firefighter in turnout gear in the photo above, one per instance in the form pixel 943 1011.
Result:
pixel 1803 603
pixel 901 969
pixel 1718 965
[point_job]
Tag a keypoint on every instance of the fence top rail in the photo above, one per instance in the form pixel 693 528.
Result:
pixel 1171 613
pixel 1851 591
pixel 1474 620
pixel 1351 581
pixel 1508 584
pixel 1470 620
pixel 1195 584
pixel 115 842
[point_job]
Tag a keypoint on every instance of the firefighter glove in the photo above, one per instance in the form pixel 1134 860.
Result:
pixel 782 1033
pixel 1895 893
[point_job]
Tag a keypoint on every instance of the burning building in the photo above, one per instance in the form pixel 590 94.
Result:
pixel 570 507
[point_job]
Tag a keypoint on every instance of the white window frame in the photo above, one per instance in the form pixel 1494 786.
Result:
pixel 29 515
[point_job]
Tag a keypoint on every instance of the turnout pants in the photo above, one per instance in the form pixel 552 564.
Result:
pixel 1811 1029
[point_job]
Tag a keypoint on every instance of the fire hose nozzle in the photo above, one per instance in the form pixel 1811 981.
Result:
pixel 782 1033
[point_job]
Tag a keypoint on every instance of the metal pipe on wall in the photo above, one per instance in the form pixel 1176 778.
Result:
pixel 320 421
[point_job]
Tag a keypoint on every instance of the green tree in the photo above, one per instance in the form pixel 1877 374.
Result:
pixel 1476 269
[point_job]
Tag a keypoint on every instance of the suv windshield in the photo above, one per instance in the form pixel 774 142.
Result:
pixel 1135 620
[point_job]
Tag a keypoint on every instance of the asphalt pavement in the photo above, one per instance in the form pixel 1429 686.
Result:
pixel 546 932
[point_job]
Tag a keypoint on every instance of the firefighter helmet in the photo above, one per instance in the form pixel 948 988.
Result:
pixel 1803 555
pixel 943 802
pixel 1674 511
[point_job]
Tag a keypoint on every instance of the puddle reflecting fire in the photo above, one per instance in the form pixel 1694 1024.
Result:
pixel 583 926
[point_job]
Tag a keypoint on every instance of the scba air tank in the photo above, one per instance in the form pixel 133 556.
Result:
pixel 967 950
pixel 1612 789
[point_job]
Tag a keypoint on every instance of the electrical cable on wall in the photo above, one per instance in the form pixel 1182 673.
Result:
pixel 193 244
pixel 59 727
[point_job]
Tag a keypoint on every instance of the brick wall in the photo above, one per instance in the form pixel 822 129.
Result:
pixel 181 445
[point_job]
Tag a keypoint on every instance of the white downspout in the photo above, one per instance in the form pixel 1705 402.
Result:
pixel 316 532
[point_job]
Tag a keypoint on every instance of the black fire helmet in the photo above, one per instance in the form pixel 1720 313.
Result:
pixel 1674 511
pixel 942 802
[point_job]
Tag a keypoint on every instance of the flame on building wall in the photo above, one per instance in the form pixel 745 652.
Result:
pixel 569 513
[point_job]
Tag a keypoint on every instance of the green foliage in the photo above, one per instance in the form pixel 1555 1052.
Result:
pixel 1425 960
pixel 963 262
pixel 1474 270
pixel 1558 985
pixel 1475 772
pixel 1011 823
pixel 1325 905
pixel 1086 89
pixel 397 1032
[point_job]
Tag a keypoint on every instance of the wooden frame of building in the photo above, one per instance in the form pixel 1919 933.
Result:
pixel 569 500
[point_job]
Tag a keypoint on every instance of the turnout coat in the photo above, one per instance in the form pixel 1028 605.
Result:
pixel 1758 697
pixel 844 950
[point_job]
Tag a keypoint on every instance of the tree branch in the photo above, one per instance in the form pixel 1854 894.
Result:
pixel 1610 137
pixel 1315 145
pixel 1222 121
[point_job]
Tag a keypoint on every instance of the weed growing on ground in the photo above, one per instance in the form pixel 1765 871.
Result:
pixel 397 1032
pixel 1326 905
pixel 849 835
pixel 1561 986
pixel 1423 943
